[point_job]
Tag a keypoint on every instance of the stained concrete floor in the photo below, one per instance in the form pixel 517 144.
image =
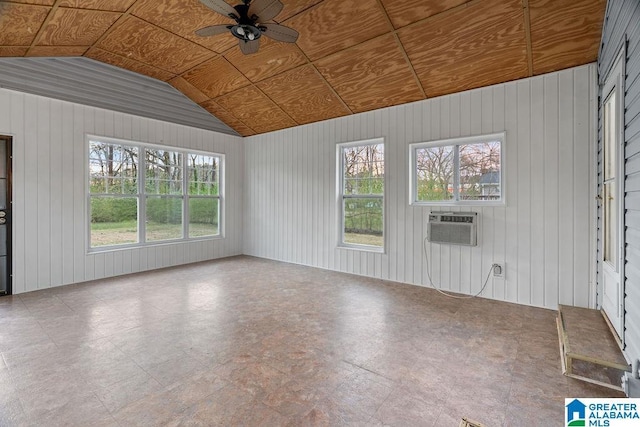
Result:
pixel 245 341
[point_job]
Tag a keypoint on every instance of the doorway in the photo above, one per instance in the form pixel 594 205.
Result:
pixel 612 197
pixel 5 214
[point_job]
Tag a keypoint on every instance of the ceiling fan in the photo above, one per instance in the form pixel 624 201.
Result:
pixel 251 23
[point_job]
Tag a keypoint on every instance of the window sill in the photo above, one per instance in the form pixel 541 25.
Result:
pixel 362 248
pixel 466 203
pixel 99 250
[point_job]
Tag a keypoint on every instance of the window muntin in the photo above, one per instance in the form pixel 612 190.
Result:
pixel 163 172
pixel 112 168
pixel 458 171
pixel 129 182
pixel 361 191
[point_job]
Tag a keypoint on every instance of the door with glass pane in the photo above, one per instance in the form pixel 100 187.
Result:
pixel 612 198
pixel 5 215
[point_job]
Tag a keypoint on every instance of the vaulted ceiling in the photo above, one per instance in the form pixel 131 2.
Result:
pixel 351 56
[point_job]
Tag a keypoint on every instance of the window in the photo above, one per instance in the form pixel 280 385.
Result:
pixel 204 194
pixel 113 189
pixel 142 194
pixel 163 195
pixel 610 143
pixel 458 171
pixel 361 194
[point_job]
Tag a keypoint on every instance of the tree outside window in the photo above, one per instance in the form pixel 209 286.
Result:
pixel 362 194
pixel 179 196
pixel 466 170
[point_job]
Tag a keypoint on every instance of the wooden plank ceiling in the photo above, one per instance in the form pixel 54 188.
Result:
pixel 351 56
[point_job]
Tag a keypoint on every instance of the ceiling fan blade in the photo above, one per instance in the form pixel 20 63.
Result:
pixel 264 10
pixel 279 32
pixel 212 30
pixel 221 7
pixel 249 47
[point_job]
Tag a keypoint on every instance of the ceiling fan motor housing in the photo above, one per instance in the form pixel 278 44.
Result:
pixel 245 28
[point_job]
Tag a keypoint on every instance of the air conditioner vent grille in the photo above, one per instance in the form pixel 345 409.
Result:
pixel 453 228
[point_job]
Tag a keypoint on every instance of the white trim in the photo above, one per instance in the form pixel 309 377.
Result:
pixel 469 140
pixel 593 191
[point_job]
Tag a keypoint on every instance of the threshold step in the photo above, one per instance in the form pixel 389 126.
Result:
pixel 589 351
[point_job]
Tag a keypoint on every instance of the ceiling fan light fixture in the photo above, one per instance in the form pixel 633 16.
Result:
pixel 246 32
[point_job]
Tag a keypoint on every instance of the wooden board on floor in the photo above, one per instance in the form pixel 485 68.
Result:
pixel 590 336
pixel 468 423
pixel 588 349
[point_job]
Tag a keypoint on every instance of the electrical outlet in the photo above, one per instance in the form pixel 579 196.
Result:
pixel 499 270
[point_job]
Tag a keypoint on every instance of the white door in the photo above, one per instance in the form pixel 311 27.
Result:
pixel 612 198
pixel 5 215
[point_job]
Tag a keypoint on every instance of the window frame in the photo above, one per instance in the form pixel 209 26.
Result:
pixel 341 196
pixel 141 195
pixel 457 142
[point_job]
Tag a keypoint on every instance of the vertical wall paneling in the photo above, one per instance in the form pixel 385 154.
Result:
pixel 550 187
pixel 78 185
pixel 43 173
pixel 547 121
pixel 583 233
pixel 622 24
pixel 398 194
pixel 29 173
pixel 308 196
pixel 511 212
pixel 50 204
pixel 566 187
pixel 524 183
pixel 537 200
pixel 55 203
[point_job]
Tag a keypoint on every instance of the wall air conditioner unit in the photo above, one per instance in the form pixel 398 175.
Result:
pixel 453 228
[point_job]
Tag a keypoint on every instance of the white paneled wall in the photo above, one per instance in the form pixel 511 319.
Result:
pixel 49 200
pixel 542 233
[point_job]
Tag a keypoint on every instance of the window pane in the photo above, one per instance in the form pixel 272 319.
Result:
pixel 163 172
pixel 363 221
pixel 114 220
pixel 164 218
pixel 610 137
pixel 364 169
pixel 203 216
pixel 203 174
pixel 434 173
pixel 610 224
pixel 113 168
pixel 480 171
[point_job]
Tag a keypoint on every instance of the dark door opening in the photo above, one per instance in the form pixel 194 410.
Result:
pixel 5 215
